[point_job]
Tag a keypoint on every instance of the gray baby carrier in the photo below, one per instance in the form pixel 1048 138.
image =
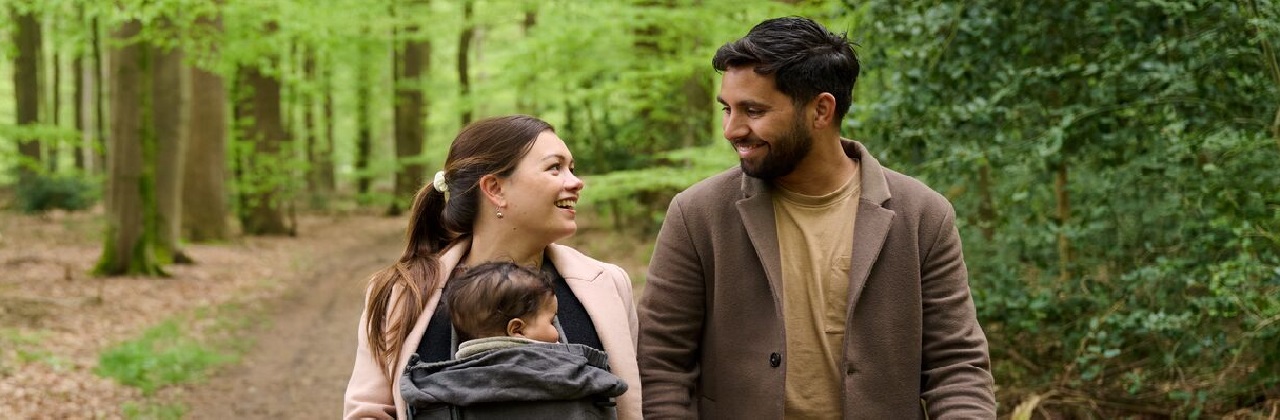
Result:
pixel 513 380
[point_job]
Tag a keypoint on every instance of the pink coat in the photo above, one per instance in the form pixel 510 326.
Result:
pixel 605 292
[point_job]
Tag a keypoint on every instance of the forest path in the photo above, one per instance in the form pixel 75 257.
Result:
pixel 301 358
pixel 303 352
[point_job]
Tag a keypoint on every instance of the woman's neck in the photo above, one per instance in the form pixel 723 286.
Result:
pixel 486 248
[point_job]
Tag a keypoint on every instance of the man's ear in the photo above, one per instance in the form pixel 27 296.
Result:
pixel 491 188
pixel 824 111
pixel 515 327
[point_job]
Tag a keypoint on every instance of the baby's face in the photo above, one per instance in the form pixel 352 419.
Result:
pixel 540 326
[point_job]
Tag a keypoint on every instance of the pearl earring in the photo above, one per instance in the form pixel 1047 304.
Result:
pixel 499 213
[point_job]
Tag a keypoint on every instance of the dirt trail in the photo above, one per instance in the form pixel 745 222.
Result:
pixel 301 360
pixel 299 366
pixel 304 294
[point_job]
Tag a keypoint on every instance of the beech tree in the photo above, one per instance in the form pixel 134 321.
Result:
pixel 27 87
pixel 204 192
pixel 411 62
pixel 265 197
pixel 170 96
pixel 130 245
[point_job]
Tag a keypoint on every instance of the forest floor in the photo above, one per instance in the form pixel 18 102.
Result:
pixel 287 305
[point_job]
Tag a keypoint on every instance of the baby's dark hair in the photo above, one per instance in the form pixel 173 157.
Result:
pixel 484 298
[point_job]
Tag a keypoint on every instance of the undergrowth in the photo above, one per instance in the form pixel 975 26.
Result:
pixel 180 350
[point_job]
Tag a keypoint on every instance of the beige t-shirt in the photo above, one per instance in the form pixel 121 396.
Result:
pixel 815 235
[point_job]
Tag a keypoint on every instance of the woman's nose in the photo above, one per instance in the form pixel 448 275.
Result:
pixel 575 183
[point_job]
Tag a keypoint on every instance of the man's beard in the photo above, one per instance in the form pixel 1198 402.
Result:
pixel 785 154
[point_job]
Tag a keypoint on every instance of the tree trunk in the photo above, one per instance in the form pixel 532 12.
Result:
pixel 527 103
pixel 52 148
pixel 464 53
pixel 413 61
pixel 83 100
pixel 82 158
pixel 1064 218
pixel 698 125
pixel 314 149
pixel 324 156
pixel 690 120
pixel 264 209
pixel 364 129
pixel 55 85
pixel 99 151
pixel 54 104
pixel 169 97
pixel 26 82
pixel 986 207
pixel 130 232
pixel 204 191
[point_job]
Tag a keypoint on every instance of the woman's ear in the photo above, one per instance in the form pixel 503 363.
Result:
pixel 491 187
pixel 515 327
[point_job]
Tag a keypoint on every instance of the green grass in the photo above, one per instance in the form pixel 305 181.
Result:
pixel 19 348
pixel 180 350
pixel 164 355
pixel 156 411
pixel 183 349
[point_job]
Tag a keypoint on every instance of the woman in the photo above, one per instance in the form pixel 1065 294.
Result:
pixel 507 192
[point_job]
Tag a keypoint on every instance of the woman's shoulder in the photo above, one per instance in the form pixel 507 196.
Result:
pixel 569 260
pixel 570 254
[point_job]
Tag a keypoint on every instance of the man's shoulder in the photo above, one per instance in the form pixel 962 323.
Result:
pixel 909 192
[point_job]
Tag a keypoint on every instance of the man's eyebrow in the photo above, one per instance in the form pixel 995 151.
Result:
pixel 745 103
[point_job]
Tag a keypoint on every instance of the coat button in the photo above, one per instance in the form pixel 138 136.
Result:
pixel 775 360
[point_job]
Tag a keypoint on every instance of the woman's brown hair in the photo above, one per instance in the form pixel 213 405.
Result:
pixel 489 146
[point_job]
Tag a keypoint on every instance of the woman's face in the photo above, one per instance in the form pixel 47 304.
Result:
pixel 542 192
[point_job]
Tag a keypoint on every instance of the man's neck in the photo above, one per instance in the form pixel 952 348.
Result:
pixel 824 170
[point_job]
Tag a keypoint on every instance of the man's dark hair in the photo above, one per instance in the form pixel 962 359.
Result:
pixel 805 58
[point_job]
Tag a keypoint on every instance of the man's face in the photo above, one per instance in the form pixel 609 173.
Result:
pixel 762 124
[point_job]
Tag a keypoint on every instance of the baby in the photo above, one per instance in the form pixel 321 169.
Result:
pixel 511 364
pixel 496 305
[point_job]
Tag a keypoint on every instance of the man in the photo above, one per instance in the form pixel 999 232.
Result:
pixel 811 282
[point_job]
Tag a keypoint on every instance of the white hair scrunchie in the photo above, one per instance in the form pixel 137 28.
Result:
pixel 440 185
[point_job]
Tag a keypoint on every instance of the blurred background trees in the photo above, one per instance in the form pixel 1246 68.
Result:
pixel 1113 163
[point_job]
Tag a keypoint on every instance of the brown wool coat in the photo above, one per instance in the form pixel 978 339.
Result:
pixel 605 292
pixel 711 332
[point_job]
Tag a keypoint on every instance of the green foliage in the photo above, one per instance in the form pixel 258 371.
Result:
pixel 163 355
pixel 626 81
pixel 638 198
pixel 19 348
pixel 154 411
pixel 45 192
pixel 262 174
pixel 1161 285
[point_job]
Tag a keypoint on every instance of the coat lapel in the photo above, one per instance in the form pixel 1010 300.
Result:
pixel 872 226
pixel 598 295
pixel 610 314
pixel 756 211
